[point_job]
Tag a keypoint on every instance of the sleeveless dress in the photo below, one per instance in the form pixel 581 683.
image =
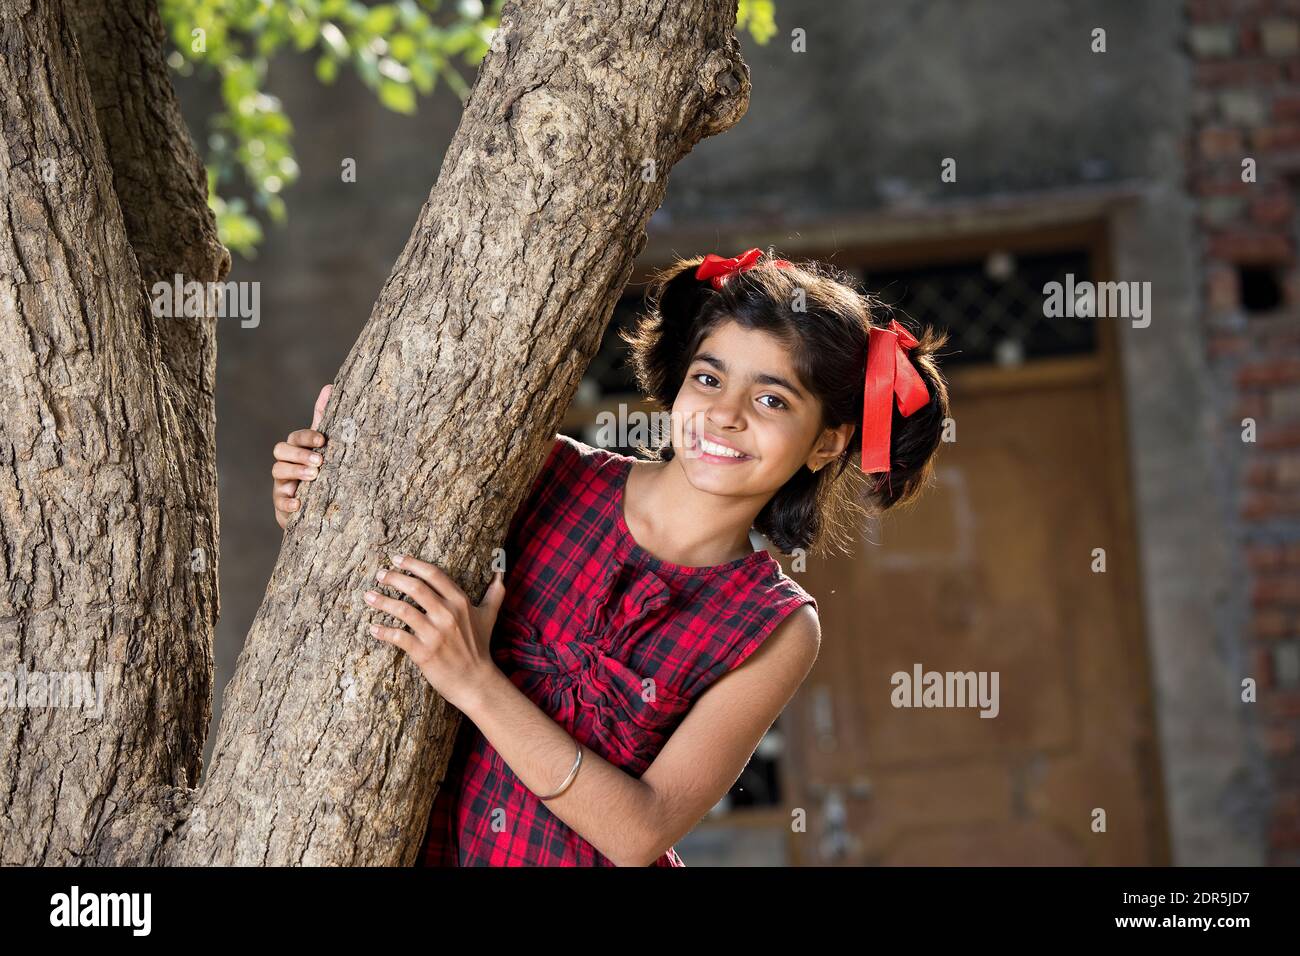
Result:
pixel 612 643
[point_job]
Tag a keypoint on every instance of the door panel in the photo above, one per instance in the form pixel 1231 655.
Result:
pixel 990 572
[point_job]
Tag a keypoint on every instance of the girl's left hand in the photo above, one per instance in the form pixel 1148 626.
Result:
pixel 449 637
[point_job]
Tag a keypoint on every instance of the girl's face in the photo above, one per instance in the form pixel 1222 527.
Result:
pixel 742 391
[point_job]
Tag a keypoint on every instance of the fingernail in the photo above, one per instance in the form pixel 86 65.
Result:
pixel 370 597
pixel 397 558
pixel 380 575
pixel 310 471
pixel 316 459
pixel 293 505
pixel 374 629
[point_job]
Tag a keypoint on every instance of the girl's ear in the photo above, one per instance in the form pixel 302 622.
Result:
pixel 831 445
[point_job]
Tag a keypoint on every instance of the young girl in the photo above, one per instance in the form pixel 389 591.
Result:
pixel 608 708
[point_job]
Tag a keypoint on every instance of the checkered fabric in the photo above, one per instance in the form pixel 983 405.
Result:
pixel 611 642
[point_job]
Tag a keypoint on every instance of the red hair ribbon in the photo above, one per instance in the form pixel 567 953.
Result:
pixel 890 375
pixel 718 270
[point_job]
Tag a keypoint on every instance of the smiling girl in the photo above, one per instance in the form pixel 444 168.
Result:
pixel 619 679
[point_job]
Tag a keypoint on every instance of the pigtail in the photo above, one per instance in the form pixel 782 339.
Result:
pixel 914 440
pixel 659 342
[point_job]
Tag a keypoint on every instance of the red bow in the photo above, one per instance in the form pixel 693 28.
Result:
pixel 890 373
pixel 718 270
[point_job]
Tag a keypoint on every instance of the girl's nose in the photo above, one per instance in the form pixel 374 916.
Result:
pixel 723 414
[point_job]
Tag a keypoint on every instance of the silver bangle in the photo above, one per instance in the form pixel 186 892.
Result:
pixel 567 780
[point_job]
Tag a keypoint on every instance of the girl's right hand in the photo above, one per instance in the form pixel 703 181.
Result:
pixel 297 460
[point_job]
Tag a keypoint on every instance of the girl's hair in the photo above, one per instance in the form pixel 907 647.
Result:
pixel 817 310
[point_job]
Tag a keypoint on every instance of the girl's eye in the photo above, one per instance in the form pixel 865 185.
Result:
pixel 780 402
pixel 699 375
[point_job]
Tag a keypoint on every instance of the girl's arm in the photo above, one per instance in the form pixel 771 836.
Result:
pixel 631 821
pixel 634 821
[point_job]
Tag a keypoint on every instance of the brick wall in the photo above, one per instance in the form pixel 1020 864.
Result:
pixel 1246 63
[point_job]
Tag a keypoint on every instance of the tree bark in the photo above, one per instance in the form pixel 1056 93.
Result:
pixel 331 744
pixel 107 480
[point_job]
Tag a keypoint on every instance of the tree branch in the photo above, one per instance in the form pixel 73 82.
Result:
pixel 162 190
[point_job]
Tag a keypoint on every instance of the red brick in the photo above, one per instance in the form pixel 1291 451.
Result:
pixel 1248 38
pixel 1280 740
pixel 1270 624
pixel 1282 703
pixel 1218 186
pixel 1206 11
pixel 1253 72
pixel 1286 106
pixel 1276 589
pixel 1291 554
pixel 1249 405
pixel 1284 831
pixel 1263 557
pixel 1216 142
pixel 1286 802
pixel 1261 668
pixel 1280 436
pixel 1265 505
pixel 1275 137
pixel 1272 210
pixel 1250 246
pixel 1222 345
pixel 1283 371
pixel 1259 475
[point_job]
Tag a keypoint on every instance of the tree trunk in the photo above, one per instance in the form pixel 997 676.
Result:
pixel 107 480
pixel 331 744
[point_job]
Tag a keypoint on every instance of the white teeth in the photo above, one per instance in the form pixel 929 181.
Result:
pixel 713 449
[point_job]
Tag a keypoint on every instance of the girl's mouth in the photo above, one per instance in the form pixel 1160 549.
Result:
pixel 712 452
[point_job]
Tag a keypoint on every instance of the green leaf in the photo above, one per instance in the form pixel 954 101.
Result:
pixel 327 68
pixel 402 47
pixel 380 20
pixel 399 97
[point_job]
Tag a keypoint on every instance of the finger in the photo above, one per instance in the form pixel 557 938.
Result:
pixel 435 611
pixel 283 451
pixel 306 438
pixel 432 575
pixel 286 489
pixel 287 469
pixel 417 589
pixel 287 505
pixel 395 636
pixel 321 400
pixel 400 610
pixel 495 594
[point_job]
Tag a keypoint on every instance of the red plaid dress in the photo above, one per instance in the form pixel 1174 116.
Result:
pixel 591 626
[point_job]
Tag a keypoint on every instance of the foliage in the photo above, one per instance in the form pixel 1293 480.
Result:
pixel 398 49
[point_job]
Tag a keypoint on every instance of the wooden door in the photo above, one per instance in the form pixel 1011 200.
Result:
pixel 992 571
